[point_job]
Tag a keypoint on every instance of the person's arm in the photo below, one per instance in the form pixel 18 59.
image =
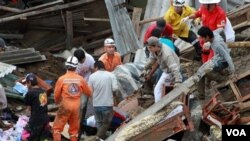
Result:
pixel 152 71
pixel 58 91
pixel 27 99
pixel 174 68
pixel 92 62
pixel 227 57
pixel 86 89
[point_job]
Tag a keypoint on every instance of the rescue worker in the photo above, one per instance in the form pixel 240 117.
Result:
pixel 222 58
pixel 104 84
pixel 174 16
pixel 169 63
pixel 212 16
pixel 111 58
pixel 68 90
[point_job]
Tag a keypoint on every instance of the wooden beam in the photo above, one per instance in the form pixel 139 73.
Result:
pixel 95 19
pixel 11 36
pixel 10 9
pixel 136 17
pixel 149 20
pixel 69 30
pixel 42 5
pixel 45 10
pixel 244 44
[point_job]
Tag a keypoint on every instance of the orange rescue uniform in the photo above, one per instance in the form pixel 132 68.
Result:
pixel 111 62
pixel 68 90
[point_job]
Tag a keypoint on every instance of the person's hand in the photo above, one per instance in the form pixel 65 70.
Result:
pixel 185 20
pixel 148 77
pixel 234 77
pixel 206 46
pixel 143 73
pixel 175 37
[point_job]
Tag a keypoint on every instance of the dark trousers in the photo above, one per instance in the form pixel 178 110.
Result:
pixel 192 39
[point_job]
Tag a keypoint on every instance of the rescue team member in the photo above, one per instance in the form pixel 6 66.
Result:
pixel 222 58
pixel 104 84
pixel 212 16
pixel 68 90
pixel 174 16
pixel 38 126
pixel 169 64
pixel 111 58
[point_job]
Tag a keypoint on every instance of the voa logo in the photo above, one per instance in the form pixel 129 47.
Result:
pixel 236 132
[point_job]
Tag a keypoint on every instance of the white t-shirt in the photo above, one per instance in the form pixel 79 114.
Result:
pixel 84 69
pixel 229 31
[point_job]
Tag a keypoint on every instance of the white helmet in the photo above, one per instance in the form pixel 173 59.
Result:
pixel 209 1
pixel 109 41
pixel 71 61
pixel 178 2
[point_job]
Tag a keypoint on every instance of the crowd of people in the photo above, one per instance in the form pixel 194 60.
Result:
pixel 87 78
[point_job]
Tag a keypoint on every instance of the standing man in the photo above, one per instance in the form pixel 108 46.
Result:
pixel 111 58
pixel 169 64
pixel 175 16
pixel 222 58
pixel 36 98
pixel 103 84
pixel 86 63
pixel 68 90
pixel 84 68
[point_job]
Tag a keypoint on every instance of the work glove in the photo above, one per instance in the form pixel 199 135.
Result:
pixel 206 46
pixel 185 20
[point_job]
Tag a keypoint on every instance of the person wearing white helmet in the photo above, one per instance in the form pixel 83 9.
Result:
pixel 68 90
pixel 110 58
pixel 212 16
pixel 175 16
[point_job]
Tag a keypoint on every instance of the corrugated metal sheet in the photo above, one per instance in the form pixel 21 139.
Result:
pixel 21 56
pixel 124 34
pixel 6 69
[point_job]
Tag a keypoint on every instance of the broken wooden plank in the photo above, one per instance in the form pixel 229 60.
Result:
pixel 10 9
pixel 149 20
pixel 96 19
pixel 243 44
pixel 43 5
pixel 11 36
pixel 136 17
pixel 46 10
pixel 69 30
